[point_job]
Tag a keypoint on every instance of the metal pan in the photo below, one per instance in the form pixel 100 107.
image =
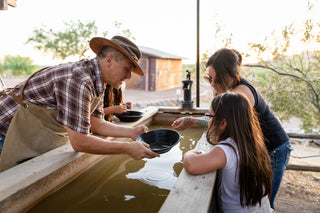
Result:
pixel 130 116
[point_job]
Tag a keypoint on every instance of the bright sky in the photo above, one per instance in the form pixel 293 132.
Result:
pixel 166 25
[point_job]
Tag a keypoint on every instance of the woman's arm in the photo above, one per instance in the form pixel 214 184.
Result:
pixel 188 122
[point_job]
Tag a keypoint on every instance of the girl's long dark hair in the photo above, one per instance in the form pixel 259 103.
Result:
pixel 255 174
pixel 112 96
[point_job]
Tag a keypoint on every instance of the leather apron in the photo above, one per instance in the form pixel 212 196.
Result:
pixel 33 131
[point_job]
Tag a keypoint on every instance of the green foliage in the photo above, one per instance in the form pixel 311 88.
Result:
pixel 290 97
pixel 17 65
pixel 123 31
pixel 73 41
pixel 291 80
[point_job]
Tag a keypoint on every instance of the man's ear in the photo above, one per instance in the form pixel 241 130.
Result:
pixel 108 59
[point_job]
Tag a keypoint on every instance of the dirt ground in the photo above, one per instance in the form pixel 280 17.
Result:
pixel 300 190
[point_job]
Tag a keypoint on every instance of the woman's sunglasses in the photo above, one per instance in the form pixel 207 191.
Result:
pixel 208 78
pixel 208 115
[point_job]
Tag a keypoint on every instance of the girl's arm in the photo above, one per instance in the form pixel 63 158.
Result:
pixel 196 163
pixel 115 109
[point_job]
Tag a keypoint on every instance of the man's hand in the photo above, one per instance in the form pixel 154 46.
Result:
pixel 139 150
pixel 136 131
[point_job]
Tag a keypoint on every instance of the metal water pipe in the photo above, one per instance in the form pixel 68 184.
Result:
pixel 187 103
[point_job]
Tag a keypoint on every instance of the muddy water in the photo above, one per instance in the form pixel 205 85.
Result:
pixel 122 184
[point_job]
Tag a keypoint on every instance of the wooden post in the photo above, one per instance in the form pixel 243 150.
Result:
pixel 4 4
pixel 303 168
pixel 303 136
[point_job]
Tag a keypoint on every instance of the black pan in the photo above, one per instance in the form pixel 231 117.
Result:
pixel 130 116
pixel 160 140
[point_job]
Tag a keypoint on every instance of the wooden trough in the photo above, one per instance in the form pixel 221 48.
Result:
pixel 24 185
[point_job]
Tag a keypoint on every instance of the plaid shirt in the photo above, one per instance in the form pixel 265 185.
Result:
pixel 68 88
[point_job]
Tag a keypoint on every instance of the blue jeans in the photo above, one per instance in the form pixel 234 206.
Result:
pixel 1 142
pixel 279 160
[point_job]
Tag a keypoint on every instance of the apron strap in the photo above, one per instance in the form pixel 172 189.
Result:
pixel 15 97
pixel 25 84
pixel 2 92
pixel 20 99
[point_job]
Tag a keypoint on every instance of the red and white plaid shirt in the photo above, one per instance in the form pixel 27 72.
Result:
pixel 69 88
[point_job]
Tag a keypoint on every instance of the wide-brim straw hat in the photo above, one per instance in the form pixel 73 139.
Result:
pixel 122 44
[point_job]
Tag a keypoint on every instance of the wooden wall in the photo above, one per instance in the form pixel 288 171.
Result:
pixel 169 73
pixel 138 82
pixel 160 74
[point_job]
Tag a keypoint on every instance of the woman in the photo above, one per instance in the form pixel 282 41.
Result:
pixel 223 69
pixel 239 155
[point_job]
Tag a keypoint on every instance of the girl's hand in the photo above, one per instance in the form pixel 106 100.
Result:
pixel 120 109
pixel 129 105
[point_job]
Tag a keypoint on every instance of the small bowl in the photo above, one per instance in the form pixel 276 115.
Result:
pixel 160 140
pixel 130 116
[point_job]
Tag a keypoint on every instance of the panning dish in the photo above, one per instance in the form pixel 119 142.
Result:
pixel 160 140
pixel 130 116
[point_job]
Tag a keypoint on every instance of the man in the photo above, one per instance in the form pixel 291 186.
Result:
pixel 65 102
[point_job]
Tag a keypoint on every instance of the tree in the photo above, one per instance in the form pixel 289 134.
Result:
pixel 293 86
pixel 72 41
pixel 18 65
pixel 123 31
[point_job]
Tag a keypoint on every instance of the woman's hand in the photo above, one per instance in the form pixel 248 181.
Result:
pixel 183 123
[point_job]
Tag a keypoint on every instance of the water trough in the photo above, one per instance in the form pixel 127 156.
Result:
pixel 35 179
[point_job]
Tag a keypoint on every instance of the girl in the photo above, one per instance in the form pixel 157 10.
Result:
pixel 113 102
pixel 245 174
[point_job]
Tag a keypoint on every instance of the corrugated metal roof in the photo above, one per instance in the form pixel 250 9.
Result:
pixel 157 53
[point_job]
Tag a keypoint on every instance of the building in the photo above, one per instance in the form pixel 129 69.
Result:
pixel 161 71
